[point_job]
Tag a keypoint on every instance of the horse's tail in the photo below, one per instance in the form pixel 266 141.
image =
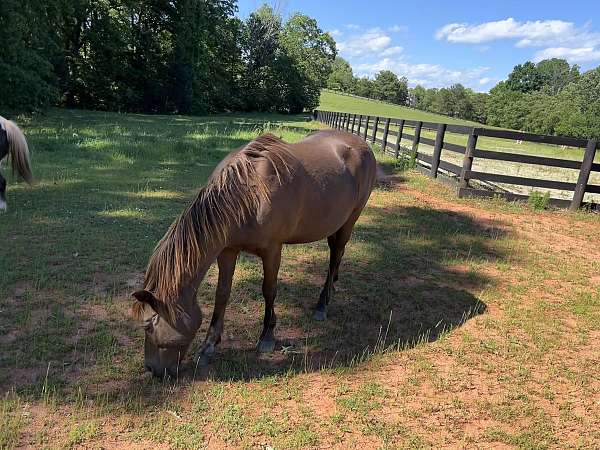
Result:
pixel 18 151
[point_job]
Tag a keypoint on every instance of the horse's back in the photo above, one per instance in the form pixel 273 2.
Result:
pixel 330 182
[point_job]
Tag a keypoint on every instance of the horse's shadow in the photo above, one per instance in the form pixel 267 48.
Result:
pixel 409 280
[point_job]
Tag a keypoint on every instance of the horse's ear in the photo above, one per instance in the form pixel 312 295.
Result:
pixel 144 296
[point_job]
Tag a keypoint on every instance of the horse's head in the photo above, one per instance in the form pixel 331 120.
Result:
pixel 169 330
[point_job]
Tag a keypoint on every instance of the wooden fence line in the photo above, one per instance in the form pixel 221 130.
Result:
pixel 432 164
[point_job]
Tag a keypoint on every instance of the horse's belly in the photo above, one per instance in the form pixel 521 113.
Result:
pixel 321 215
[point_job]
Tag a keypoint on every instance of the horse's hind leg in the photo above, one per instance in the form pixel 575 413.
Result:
pixel 271 260
pixel 337 245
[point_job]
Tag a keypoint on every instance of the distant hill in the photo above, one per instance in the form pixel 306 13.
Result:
pixel 336 101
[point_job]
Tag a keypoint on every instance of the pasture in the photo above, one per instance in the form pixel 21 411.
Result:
pixel 456 322
pixel 333 101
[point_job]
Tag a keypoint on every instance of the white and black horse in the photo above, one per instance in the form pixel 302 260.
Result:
pixel 13 144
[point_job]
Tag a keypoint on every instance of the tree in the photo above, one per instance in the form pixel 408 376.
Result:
pixel 363 87
pixel 29 49
pixel 578 107
pixel 507 108
pixel 556 74
pixel 416 97
pixel 311 53
pixel 389 88
pixel 525 78
pixel 341 77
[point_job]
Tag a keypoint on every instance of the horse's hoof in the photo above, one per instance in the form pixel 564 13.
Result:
pixel 266 346
pixel 320 316
pixel 205 355
pixel 203 360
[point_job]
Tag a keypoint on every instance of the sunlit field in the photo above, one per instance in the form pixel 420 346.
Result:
pixel 333 101
pixel 455 323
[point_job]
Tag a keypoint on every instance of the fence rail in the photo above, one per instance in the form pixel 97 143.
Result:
pixel 377 130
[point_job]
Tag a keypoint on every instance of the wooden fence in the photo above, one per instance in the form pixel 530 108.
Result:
pixel 370 128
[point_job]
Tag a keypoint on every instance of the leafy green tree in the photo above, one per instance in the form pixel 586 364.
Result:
pixel 341 77
pixel 556 74
pixel 507 108
pixel 578 107
pixel 30 48
pixel 416 97
pixel 311 52
pixel 388 87
pixel 264 60
pixel 364 87
pixel 525 78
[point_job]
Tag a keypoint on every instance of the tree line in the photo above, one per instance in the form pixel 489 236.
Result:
pixel 550 97
pixel 183 56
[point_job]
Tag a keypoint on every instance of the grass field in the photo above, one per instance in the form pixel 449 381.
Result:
pixel 456 323
pixel 332 101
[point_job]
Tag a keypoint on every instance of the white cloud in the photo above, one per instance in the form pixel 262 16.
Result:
pixel 372 41
pixel 428 75
pixel 485 80
pixel 573 55
pixel 391 51
pixel 352 26
pixel 398 28
pixel 335 33
pixel 529 34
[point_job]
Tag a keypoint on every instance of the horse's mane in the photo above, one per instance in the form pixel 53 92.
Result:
pixel 18 150
pixel 232 194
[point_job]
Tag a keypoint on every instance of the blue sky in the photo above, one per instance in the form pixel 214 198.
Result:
pixel 437 43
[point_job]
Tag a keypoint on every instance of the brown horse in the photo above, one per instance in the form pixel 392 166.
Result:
pixel 261 196
pixel 13 144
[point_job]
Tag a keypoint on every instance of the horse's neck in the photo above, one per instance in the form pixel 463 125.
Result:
pixel 210 255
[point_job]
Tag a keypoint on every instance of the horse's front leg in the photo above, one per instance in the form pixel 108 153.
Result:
pixel 2 193
pixel 271 258
pixel 226 261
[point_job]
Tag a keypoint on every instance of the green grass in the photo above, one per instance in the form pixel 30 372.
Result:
pixel 444 314
pixel 336 101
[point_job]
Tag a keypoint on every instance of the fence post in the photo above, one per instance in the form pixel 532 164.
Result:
pixel 415 146
pixel 353 123
pixel 347 121
pixel 359 124
pixel 584 174
pixel 386 130
pixel 374 134
pixel 399 139
pixel 336 120
pixel 366 127
pixel 468 160
pixel 437 150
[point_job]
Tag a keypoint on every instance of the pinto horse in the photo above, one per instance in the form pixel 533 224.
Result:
pixel 260 197
pixel 13 144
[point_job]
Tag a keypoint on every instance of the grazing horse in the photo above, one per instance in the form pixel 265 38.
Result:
pixel 261 196
pixel 13 143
